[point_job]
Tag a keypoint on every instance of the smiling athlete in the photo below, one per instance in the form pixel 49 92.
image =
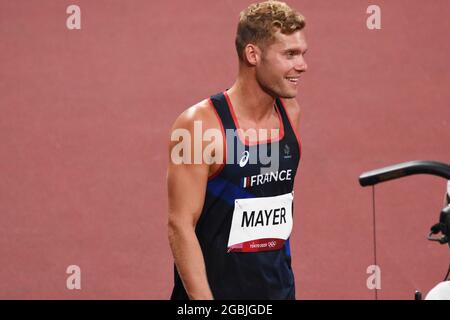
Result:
pixel 230 215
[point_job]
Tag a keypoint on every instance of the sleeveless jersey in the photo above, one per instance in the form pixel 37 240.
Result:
pixel 247 215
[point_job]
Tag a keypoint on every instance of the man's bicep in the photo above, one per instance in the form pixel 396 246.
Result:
pixel 186 187
pixel 187 174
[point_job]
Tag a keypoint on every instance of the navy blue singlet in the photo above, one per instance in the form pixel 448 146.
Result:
pixel 246 219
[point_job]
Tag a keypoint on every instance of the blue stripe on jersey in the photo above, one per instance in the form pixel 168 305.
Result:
pixel 287 247
pixel 227 191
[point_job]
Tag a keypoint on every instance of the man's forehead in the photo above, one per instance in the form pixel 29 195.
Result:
pixel 295 40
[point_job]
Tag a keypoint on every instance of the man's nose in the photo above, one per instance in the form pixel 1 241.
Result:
pixel 301 64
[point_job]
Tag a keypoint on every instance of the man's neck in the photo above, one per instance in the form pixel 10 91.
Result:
pixel 249 100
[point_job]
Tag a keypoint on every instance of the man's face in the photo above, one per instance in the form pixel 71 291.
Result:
pixel 281 64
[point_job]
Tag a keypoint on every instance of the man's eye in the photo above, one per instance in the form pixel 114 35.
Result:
pixel 293 53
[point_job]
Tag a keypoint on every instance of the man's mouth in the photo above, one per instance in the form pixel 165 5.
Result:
pixel 293 80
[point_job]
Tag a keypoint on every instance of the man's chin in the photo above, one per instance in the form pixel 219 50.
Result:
pixel 283 93
pixel 288 95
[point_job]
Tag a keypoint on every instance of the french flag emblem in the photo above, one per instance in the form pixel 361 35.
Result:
pixel 246 182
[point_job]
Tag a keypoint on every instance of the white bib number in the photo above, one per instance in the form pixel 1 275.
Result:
pixel 261 224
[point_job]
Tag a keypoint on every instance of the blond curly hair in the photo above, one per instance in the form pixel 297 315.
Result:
pixel 260 21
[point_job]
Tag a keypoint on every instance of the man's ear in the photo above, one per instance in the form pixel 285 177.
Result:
pixel 252 54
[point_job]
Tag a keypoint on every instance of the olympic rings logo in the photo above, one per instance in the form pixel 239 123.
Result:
pixel 272 244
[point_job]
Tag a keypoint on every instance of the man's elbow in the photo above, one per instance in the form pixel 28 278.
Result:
pixel 178 228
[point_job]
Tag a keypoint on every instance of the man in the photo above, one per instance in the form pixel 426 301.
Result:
pixel 230 216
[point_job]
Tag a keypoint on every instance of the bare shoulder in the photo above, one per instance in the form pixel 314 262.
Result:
pixel 202 111
pixel 293 110
pixel 195 129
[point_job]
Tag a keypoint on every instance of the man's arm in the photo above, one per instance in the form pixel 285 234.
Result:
pixel 186 191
